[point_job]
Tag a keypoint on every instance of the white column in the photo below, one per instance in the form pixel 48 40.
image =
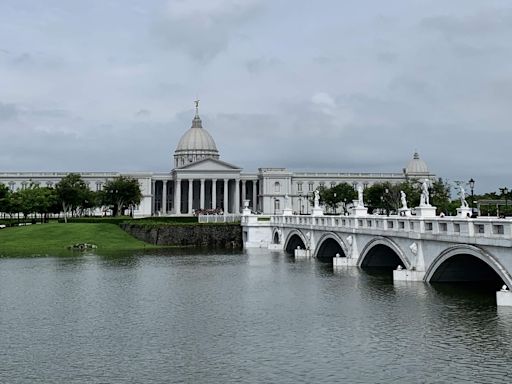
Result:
pixel 214 193
pixel 190 195
pixel 153 196
pixel 201 196
pixel 236 208
pixel 164 197
pixel 244 191
pixel 226 190
pixel 177 197
pixel 254 196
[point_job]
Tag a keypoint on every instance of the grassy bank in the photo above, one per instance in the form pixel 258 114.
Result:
pixel 57 237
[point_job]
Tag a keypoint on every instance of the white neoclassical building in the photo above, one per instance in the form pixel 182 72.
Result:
pixel 200 180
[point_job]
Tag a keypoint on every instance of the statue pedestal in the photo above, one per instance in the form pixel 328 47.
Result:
pixel 287 212
pixel 317 212
pixel 246 211
pixel 343 262
pixel 407 275
pixel 504 298
pixel 426 211
pixel 359 211
pixel 404 212
pixel 464 212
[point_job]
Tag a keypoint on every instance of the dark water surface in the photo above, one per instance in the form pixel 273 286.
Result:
pixel 257 317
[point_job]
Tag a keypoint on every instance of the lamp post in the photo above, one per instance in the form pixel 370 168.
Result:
pixel 386 191
pixel 472 186
pixel 504 191
pixel 335 203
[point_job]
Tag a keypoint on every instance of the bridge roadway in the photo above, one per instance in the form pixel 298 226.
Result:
pixel 416 248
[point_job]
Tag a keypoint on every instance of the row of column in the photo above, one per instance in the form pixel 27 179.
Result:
pixel 177 195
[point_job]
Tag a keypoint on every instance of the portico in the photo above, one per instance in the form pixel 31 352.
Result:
pixel 208 184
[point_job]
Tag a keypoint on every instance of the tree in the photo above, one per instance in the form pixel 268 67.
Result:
pixel 440 193
pixel 72 193
pixel 121 193
pixel 4 193
pixel 339 194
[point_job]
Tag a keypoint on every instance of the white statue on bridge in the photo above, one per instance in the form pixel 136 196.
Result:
pixel 424 198
pixel 462 193
pixel 360 202
pixel 403 198
pixel 317 198
pixel 287 201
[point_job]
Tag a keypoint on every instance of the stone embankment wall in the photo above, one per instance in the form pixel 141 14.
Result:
pixel 212 235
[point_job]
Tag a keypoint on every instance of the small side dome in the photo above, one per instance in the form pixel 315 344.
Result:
pixel 416 166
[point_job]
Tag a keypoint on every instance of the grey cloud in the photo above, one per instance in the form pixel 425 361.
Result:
pixel 482 24
pixel 258 65
pixel 8 112
pixel 202 33
pixel 387 57
pixel 143 113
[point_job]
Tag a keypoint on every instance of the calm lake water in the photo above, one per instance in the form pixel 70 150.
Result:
pixel 255 317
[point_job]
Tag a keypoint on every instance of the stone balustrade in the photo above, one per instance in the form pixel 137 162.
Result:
pixel 482 230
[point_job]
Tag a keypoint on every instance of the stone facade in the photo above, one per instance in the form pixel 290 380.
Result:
pixel 227 236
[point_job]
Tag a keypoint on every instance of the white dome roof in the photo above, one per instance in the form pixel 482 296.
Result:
pixel 196 139
pixel 196 144
pixel 416 165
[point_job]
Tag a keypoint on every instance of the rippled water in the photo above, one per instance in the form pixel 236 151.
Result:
pixel 256 317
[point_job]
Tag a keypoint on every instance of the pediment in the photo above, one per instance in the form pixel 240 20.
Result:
pixel 209 165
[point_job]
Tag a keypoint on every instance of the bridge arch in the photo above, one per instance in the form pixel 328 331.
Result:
pixel 329 245
pixel 383 252
pixel 294 239
pixel 276 236
pixel 467 263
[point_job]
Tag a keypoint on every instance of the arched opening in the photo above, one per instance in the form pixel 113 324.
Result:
pixel 294 242
pixel 328 249
pixel 464 268
pixel 276 238
pixel 383 257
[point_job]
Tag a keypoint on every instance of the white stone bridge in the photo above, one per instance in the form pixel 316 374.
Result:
pixel 416 248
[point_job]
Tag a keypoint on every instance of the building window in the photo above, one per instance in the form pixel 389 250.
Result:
pixel 322 183
pixel 333 184
pixel 49 184
pixel 12 185
pixel 277 187
pixel 277 205
pixel 310 187
pixel 299 187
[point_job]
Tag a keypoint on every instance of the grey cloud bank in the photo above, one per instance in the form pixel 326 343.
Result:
pixel 326 85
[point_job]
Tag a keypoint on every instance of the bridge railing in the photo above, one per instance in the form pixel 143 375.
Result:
pixel 233 218
pixel 488 227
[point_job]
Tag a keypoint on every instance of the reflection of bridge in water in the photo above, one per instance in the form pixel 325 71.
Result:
pixel 416 248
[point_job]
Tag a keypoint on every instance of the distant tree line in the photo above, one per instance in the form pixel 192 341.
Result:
pixel 71 196
pixel 386 198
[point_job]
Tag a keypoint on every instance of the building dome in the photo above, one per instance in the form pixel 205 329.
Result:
pixel 416 166
pixel 196 144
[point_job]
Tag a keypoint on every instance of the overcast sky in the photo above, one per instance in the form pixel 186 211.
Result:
pixel 353 85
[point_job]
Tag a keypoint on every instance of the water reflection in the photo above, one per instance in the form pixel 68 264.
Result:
pixel 254 316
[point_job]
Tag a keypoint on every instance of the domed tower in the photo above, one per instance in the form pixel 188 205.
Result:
pixel 196 144
pixel 417 167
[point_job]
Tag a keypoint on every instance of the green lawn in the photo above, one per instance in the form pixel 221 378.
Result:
pixel 41 238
